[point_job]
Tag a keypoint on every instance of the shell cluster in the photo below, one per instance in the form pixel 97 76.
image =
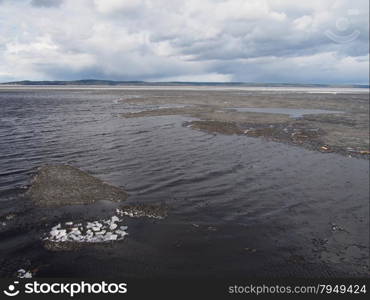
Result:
pixel 89 232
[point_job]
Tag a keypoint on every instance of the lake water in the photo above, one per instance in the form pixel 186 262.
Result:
pixel 226 194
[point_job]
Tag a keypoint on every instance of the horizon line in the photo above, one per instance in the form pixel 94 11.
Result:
pixel 38 82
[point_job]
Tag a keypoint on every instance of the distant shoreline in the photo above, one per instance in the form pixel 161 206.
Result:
pixel 94 82
pixel 235 88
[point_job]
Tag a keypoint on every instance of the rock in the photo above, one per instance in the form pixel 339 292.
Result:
pixel 115 219
pixel 10 217
pixel 113 237
pixel 21 273
pixel 251 250
pixel 325 148
pixel 54 232
pixel 58 185
pixel 56 227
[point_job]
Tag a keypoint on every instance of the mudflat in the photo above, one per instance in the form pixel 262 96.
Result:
pixel 58 185
pixel 326 122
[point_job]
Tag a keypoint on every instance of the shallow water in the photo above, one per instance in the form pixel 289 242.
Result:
pixel 292 112
pixel 225 193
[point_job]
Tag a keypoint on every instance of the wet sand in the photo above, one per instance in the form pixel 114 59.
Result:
pixel 344 130
pixel 56 185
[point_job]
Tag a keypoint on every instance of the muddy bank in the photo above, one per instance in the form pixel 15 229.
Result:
pixel 294 133
pixel 64 185
pixel 344 130
pixel 75 227
pixel 215 127
pixel 57 185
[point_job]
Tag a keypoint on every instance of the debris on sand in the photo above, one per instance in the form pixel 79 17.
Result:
pixel 6 219
pixel 325 148
pixel 137 211
pixel 251 250
pixel 89 232
pixel 10 217
pixel 335 227
pixel 365 152
pixel 22 273
pixel 351 150
pixel 211 228
pixel 57 185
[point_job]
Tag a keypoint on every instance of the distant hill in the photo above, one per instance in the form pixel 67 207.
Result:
pixel 115 83
pixel 74 82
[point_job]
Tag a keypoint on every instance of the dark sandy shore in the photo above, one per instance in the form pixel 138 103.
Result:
pixel 346 132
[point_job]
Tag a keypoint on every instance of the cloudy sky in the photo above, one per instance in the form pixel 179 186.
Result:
pixel 316 41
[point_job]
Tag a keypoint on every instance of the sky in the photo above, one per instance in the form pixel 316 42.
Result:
pixel 316 41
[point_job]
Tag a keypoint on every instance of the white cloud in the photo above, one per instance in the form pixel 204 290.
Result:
pixel 303 23
pixel 111 6
pixel 210 77
pixel 35 58
pixel 190 40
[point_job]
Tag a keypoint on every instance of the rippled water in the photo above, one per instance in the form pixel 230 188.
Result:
pixel 293 113
pixel 259 192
